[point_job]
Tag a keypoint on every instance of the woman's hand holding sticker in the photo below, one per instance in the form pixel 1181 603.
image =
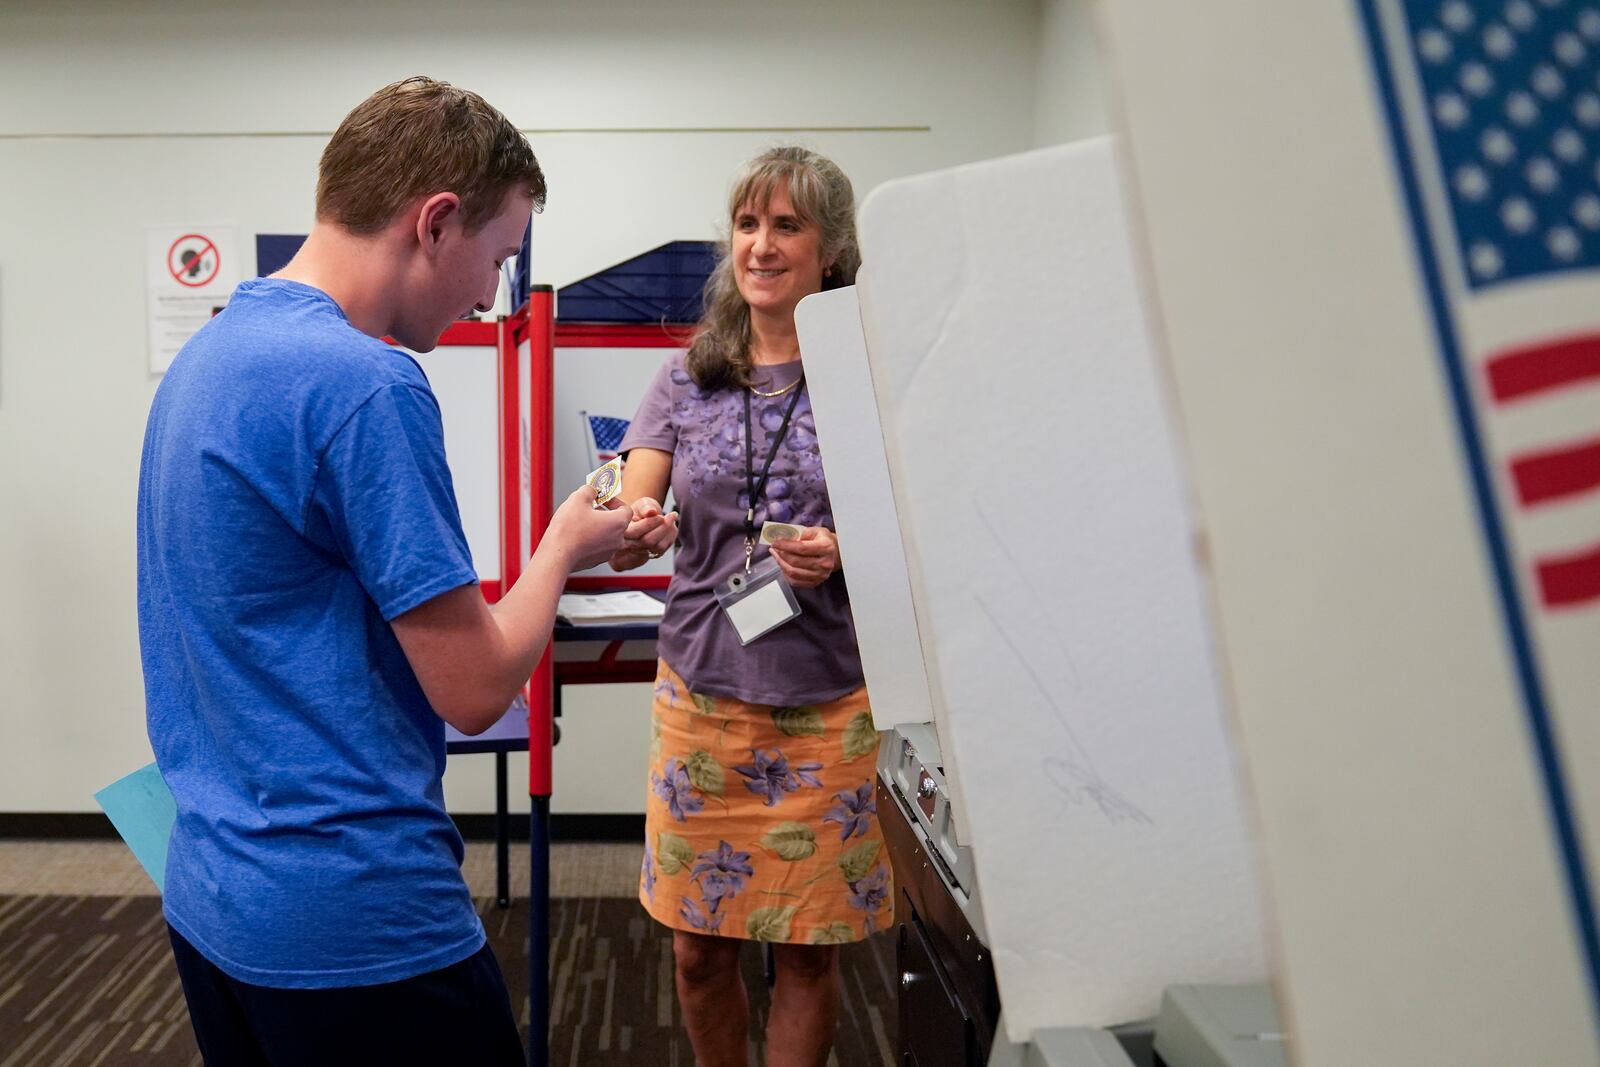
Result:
pixel 808 560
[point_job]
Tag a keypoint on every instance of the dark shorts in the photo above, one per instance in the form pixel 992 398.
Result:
pixel 459 1014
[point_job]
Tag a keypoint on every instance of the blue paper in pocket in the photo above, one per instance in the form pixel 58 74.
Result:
pixel 141 807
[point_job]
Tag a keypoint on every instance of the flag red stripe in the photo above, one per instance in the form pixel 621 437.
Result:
pixel 1520 372
pixel 1568 580
pixel 1557 473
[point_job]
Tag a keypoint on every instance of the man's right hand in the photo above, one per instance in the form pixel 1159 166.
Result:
pixel 469 660
pixel 585 535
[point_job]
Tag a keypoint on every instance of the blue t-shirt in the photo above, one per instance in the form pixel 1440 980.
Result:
pixel 293 498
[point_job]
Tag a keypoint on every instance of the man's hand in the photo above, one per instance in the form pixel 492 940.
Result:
pixel 584 534
pixel 809 561
pixel 469 660
pixel 650 533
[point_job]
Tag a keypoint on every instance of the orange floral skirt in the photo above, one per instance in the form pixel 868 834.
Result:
pixel 761 822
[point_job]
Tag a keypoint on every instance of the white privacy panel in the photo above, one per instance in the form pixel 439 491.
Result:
pixel 465 379
pixel 1060 599
pixel 870 545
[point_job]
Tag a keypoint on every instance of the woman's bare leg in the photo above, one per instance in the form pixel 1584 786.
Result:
pixel 716 1011
pixel 805 1005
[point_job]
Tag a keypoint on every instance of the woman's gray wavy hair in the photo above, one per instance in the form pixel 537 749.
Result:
pixel 719 354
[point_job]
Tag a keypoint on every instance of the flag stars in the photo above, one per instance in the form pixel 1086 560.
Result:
pixel 1517 215
pixel 1586 210
pixel 1434 45
pixel 1476 79
pixel 1522 108
pixel 1563 243
pixel 1587 109
pixel 1457 15
pixel 1497 145
pixel 1542 175
pixel 1450 110
pixel 1498 41
pixel 1569 49
pixel 1471 182
pixel 1485 260
pixel 1567 145
pixel 1512 89
pixel 1547 81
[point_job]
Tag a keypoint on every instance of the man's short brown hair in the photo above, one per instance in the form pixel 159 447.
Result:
pixel 415 138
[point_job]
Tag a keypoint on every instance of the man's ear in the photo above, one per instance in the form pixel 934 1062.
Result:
pixel 437 213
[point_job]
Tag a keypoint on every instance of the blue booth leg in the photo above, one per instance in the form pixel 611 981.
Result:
pixel 539 933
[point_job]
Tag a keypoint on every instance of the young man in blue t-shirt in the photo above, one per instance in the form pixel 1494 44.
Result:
pixel 309 618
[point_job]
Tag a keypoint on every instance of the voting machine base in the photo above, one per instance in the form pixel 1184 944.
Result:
pixel 949 1003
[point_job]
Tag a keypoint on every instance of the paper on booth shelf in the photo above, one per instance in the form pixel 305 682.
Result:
pixel 1068 649
pixel 629 605
pixel 871 548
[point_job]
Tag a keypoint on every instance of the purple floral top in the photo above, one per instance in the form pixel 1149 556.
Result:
pixel 810 660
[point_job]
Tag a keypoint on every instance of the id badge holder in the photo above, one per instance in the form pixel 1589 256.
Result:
pixel 759 602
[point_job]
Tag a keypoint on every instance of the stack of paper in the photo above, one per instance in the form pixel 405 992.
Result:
pixel 627 606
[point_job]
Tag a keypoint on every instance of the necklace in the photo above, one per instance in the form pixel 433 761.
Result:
pixel 777 392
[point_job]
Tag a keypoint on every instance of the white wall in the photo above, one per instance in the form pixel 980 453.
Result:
pixel 1069 101
pixel 116 115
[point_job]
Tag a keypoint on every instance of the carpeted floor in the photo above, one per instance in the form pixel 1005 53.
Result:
pixel 86 981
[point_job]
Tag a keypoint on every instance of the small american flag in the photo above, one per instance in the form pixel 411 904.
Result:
pixel 604 434
pixel 1493 110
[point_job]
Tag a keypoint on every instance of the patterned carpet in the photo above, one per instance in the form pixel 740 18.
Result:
pixel 86 981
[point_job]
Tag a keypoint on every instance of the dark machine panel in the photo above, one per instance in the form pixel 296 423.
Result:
pixel 936 1030
pixel 949 1004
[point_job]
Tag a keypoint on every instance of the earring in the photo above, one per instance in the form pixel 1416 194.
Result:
pixel 828 273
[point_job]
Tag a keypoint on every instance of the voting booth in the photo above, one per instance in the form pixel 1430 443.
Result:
pixel 613 331
pixel 561 375
pixel 1016 526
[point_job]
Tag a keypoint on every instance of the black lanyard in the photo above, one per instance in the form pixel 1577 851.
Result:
pixel 757 486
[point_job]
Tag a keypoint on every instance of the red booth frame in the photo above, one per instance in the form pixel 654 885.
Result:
pixel 535 323
pixel 527 451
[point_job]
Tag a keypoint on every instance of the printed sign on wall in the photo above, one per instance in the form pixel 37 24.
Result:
pixel 190 272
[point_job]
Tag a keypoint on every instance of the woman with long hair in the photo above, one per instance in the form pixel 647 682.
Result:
pixel 760 822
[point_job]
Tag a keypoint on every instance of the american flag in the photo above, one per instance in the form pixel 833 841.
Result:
pixel 1500 105
pixel 1493 111
pixel 604 434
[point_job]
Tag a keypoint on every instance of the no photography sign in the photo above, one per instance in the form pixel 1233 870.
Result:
pixel 191 271
pixel 193 260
